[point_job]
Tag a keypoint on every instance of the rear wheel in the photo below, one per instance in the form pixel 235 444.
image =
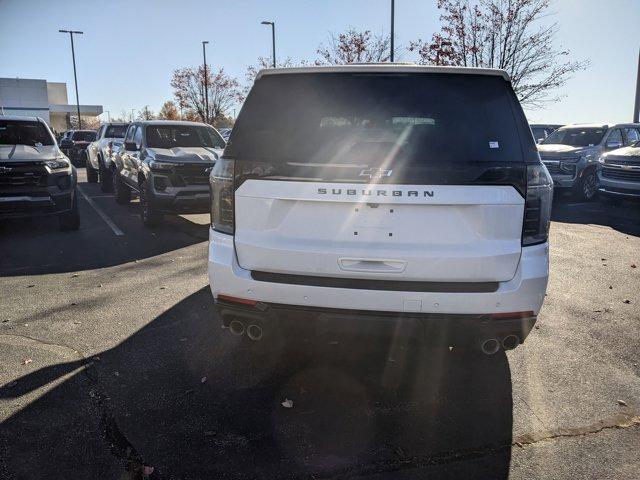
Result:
pixel 121 190
pixel 70 220
pixel 588 186
pixel 106 179
pixel 92 174
pixel 148 212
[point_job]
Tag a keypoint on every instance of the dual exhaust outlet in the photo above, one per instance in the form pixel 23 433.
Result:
pixel 253 331
pixel 492 345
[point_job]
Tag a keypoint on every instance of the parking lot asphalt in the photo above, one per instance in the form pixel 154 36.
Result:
pixel 113 363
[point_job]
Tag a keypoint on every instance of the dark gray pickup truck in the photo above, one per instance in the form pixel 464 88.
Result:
pixel 36 178
pixel 167 163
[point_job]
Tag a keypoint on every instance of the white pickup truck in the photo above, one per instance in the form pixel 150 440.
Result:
pixel 99 154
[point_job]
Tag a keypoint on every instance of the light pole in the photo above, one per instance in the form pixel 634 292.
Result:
pixel 393 14
pixel 206 81
pixel 132 114
pixel 75 76
pixel 273 40
pixel 108 115
pixel 636 110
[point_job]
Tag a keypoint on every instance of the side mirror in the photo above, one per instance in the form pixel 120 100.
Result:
pixel 612 145
pixel 130 146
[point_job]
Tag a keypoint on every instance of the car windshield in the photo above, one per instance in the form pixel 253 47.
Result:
pixel 83 136
pixel 115 131
pixel 576 137
pixel 355 118
pixel 18 132
pixel 171 136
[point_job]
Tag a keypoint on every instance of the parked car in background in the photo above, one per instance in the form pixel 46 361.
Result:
pixel 396 200
pixel 619 172
pixel 541 131
pixel 167 163
pixel 571 154
pixel 225 133
pixel 99 153
pixel 36 178
pixel 74 145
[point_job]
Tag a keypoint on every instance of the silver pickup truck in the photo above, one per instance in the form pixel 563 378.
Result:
pixel 99 154
pixel 571 154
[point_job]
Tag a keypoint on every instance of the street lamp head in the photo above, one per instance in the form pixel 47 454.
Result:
pixel 204 42
pixel 71 31
pixel 266 23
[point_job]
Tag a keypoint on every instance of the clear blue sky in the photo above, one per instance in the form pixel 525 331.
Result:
pixel 130 48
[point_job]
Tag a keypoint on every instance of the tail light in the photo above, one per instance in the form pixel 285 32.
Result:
pixel 537 207
pixel 221 191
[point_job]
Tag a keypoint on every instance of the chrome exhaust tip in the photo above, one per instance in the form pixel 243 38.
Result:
pixel 510 342
pixel 490 346
pixel 254 332
pixel 236 327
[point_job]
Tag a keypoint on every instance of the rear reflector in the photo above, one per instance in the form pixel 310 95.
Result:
pixel 511 315
pixel 243 301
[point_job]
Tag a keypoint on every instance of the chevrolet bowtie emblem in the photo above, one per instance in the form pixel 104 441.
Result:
pixel 375 173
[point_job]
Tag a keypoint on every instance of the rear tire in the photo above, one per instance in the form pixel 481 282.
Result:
pixel 70 221
pixel 120 189
pixel 92 175
pixel 106 179
pixel 148 212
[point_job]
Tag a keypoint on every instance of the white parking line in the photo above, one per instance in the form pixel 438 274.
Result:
pixel 114 228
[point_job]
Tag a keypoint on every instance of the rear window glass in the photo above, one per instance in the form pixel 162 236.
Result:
pixel 170 136
pixel 348 118
pixel 115 131
pixel 83 136
pixel 33 134
pixel 576 137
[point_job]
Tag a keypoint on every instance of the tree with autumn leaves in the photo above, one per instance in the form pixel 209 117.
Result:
pixel 189 91
pixel 506 34
pixel 512 35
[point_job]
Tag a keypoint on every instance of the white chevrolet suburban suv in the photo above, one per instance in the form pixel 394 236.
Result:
pixel 396 199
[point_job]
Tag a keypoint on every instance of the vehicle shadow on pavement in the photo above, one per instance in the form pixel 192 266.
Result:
pixel 35 246
pixel 184 396
pixel 625 218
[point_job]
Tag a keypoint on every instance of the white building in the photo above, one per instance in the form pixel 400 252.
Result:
pixel 39 98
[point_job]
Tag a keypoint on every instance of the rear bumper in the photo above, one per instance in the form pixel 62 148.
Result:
pixel 523 293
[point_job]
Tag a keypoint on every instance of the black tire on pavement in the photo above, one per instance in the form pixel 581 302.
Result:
pixel 92 174
pixel 70 220
pixel 587 188
pixel 121 190
pixel 106 179
pixel 148 213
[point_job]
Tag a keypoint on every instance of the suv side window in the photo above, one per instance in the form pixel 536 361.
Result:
pixel 129 136
pixel 615 136
pixel 632 135
pixel 137 138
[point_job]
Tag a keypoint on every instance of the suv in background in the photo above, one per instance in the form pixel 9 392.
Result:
pixel 168 164
pixel 36 178
pixel 542 131
pixel 404 199
pixel 99 154
pixel 571 153
pixel 74 145
pixel 619 171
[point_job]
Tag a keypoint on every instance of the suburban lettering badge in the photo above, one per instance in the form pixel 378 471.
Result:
pixel 365 192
